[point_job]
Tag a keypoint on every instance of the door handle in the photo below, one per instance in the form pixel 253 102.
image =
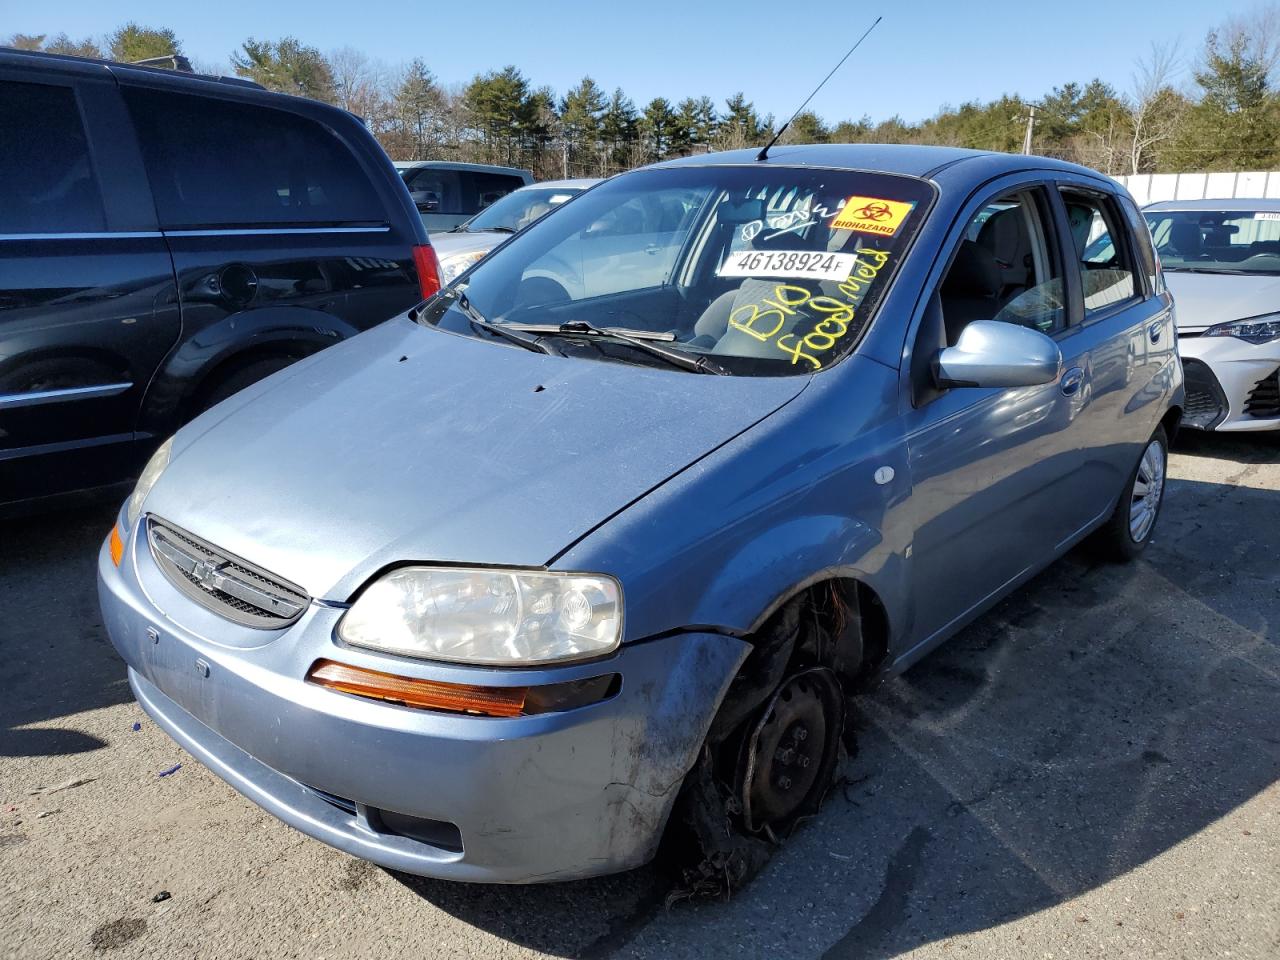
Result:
pixel 1071 381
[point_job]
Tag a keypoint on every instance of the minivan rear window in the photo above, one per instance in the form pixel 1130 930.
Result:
pixel 47 183
pixel 222 163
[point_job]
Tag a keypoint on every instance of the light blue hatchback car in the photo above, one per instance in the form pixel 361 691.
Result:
pixel 595 543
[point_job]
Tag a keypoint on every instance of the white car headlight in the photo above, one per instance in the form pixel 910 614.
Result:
pixel 150 474
pixel 452 267
pixel 1262 329
pixel 485 616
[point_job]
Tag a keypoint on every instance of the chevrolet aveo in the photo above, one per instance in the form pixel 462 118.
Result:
pixel 502 589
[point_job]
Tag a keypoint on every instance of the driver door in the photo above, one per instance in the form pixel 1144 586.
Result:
pixel 991 467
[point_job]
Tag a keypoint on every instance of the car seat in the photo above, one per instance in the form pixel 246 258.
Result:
pixel 1005 236
pixel 971 289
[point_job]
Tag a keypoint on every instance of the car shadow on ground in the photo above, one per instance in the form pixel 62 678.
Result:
pixel 1090 722
pixel 55 659
pixel 1245 447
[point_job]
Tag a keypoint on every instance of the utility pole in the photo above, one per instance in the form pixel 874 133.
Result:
pixel 1031 124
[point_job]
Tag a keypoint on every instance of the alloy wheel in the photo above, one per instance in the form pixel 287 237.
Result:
pixel 1148 488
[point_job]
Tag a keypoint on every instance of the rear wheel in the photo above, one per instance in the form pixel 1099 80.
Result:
pixel 238 379
pixel 1128 531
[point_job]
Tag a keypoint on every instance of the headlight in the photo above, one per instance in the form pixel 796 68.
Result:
pixel 452 267
pixel 150 474
pixel 1262 329
pixel 483 616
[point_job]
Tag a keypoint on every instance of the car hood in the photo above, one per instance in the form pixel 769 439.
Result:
pixel 1203 299
pixel 412 444
pixel 451 244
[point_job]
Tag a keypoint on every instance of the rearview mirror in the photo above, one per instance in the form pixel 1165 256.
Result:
pixel 740 211
pixel 991 353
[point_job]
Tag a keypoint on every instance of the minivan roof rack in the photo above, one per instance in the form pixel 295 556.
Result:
pixel 174 61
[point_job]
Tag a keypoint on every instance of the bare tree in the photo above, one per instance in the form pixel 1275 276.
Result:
pixel 1157 109
pixel 360 84
pixel 1258 34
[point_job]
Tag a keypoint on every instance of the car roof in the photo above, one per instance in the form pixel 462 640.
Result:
pixel 908 159
pixel 92 65
pixel 458 165
pixel 1242 204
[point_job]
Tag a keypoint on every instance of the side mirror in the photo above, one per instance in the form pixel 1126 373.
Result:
pixel 991 353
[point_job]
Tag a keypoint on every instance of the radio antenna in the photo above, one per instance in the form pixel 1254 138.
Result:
pixel 764 153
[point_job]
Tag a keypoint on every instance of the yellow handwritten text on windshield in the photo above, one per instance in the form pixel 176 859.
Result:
pixel 766 319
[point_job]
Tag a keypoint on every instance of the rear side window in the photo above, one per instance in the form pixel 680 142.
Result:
pixel 216 162
pixel 1102 250
pixel 488 188
pixel 47 183
pixel 1142 240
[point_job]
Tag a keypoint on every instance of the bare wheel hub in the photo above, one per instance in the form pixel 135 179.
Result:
pixel 790 754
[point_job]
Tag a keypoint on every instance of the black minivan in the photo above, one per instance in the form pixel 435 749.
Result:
pixel 166 240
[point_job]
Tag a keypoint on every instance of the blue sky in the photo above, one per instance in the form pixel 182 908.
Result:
pixel 925 54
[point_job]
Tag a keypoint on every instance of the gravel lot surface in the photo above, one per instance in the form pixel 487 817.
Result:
pixel 1090 770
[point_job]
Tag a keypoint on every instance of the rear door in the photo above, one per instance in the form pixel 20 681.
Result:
pixel 1121 338
pixel 88 306
pixel 283 227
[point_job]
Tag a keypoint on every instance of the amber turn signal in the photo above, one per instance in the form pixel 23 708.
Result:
pixel 423 694
pixel 117 545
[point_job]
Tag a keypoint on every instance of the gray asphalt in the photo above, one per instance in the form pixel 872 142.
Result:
pixel 1088 771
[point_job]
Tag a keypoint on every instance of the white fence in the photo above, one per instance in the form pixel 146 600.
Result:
pixel 1150 187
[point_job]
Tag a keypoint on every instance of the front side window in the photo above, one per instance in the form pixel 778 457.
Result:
pixel 764 270
pixel 47 182
pixel 1217 241
pixel 436 190
pixel 1107 275
pixel 1006 268
pixel 223 163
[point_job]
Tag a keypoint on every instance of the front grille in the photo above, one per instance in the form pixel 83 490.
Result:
pixel 222 582
pixel 1206 404
pixel 1264 398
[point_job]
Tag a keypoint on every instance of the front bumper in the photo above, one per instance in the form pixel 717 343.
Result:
pixel 549 797
pixel 1231 384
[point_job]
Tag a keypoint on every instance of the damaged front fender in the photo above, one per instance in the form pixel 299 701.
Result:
pixel 672 691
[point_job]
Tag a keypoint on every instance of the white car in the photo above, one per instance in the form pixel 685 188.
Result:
pixel 1222 263
pixel 471 241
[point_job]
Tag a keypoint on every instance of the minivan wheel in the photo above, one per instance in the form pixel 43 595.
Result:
pixel 240 378
pixel 1128 531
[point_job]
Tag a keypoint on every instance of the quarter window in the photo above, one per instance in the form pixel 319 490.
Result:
pixel 47 182
pixel 1107 276
pixel 215 162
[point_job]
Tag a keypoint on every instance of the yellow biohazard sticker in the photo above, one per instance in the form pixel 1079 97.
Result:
pixel 872 215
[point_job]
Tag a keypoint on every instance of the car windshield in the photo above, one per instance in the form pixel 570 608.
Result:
pixel 762 270
pixel 1217 241
pixel 517 210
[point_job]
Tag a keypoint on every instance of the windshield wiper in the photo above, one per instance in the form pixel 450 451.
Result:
pixel 477 319
pixel 640 339
pixel 1226 270
pixel 573 327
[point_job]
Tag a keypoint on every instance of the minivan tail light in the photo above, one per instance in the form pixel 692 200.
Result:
pixel 424 258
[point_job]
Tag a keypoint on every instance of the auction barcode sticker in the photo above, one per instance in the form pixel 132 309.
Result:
pixel 809 264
